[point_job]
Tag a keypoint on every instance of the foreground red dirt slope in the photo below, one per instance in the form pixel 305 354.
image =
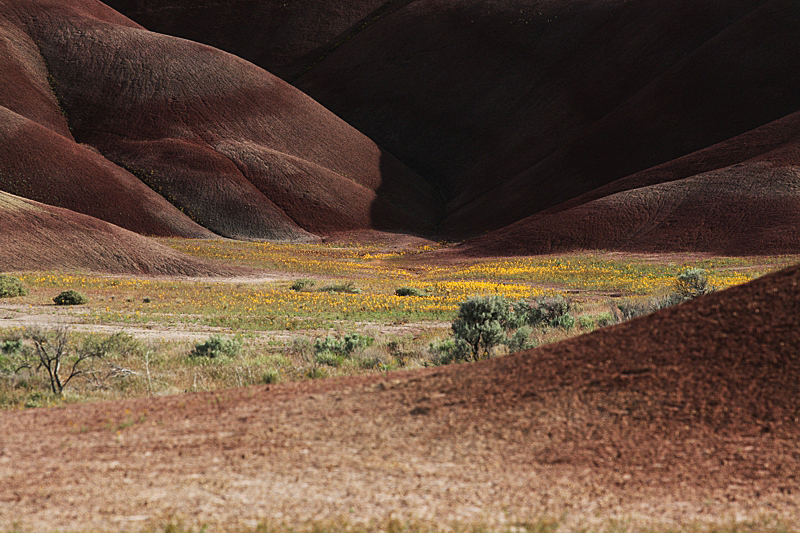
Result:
pixel 512 108
pixel 240 152
pixel 686 414
pixel 35 236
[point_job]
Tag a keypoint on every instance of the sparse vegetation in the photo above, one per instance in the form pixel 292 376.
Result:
pixel 344 288
pixel 70 297
pixel 488 321
pixel 217 346
pixel 11 287
pixel 302 284
pixel 344 346
pixel 52 352
pixel 691 283
pixel 410 291
pixel 688 284
pixel 278 328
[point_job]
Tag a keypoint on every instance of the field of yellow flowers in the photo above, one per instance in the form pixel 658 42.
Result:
pixel 280 326
pixel 272 305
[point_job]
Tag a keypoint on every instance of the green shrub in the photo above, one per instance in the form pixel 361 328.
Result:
pixel 448 351
pixel 302 284
pixel 605 319
pixel 551 312
pixel 120 343
pixel 410 291
pixel 354 342
pixel 565 321
pixel 345 288
pixel 544 312
pixel 11 346
pixel 329 359
pixel 586 323
pixel 271 376
pixel 482 323
pixel 10 350
pixel 70 297
pixel 488 321
pixel 217 346
pixel 343 347
pixel 692 283
pixel 11 287
pixel 328 344
pixel 521 340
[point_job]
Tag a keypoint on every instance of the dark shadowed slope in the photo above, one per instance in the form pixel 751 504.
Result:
pixel 35 236
pixel 510 108
pixel 239 151
pixel 742 78
pixel 592 90
pixel 741 196
pixel 284 38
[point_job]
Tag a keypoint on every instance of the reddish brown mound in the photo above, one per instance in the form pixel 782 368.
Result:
pixel 511 108
pixel 239 151
pixel 40 160
pixel 750 208
pixel 687 414
pixel 738 197
pixel 35 236
pixel 724 360
pixel 37 163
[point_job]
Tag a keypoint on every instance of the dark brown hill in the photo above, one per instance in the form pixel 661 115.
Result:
pixel 239 151
pixel 736 198
pixel 35 236
pixel 510 108
pixel 737 80
pixel 487 90
pixel 284 38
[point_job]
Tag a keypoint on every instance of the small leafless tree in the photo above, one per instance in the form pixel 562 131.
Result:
pixel 52 352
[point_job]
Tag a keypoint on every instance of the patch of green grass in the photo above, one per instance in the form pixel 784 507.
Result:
pixel 11 287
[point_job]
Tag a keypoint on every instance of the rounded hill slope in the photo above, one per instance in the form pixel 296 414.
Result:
pixel 510 109
pixel 230 146
pixel 35 236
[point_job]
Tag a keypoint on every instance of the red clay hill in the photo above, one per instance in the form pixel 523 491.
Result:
pixel 511 108
pixel 36 236
pixel 165 136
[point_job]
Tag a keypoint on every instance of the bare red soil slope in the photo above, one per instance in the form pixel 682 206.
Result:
pixel 237 150
pixel 510 108
pixel 35 236
pixel 40 159
pixel 686 414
